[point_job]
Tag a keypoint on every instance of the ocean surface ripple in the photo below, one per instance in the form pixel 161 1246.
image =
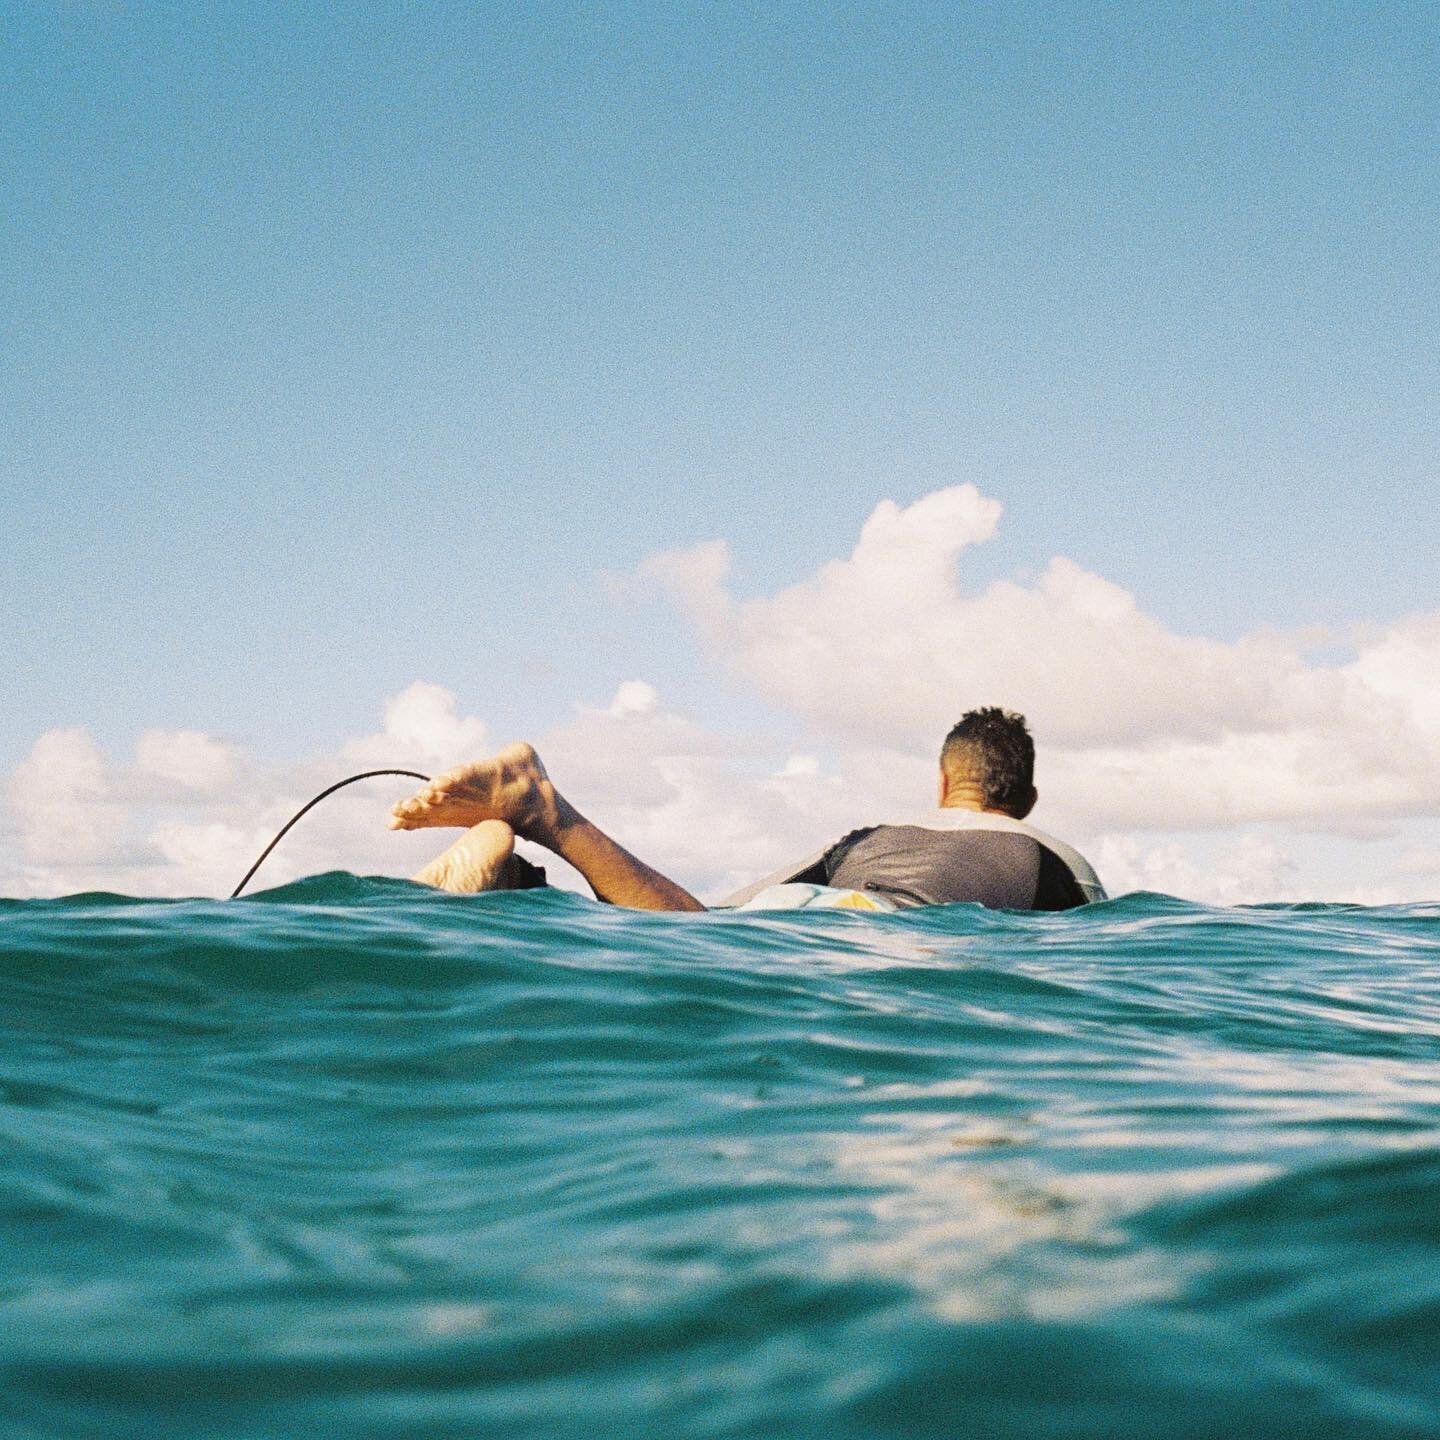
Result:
pixel 350 1158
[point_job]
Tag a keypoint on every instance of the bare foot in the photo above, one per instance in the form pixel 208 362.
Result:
pixel 479 860
pixel 511 786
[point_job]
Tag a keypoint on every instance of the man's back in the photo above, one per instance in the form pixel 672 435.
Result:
pixel 915 865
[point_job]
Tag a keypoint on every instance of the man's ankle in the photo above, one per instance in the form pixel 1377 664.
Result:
pixel 551 814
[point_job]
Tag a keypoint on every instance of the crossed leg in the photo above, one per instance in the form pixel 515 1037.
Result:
pixel 512 791
pixel 477 861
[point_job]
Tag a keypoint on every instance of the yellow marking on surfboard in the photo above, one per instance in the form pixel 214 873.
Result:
pixel 854 900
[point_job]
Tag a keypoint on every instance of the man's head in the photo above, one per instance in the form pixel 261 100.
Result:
pixel 988 763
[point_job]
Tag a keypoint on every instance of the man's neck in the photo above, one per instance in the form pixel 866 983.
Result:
pixel 972 798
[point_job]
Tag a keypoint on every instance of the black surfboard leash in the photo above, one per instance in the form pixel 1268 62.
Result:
pixel 310 805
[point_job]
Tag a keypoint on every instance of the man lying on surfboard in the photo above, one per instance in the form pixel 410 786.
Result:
pixel 975 847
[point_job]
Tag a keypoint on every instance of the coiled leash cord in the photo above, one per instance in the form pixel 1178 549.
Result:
pixel 310 805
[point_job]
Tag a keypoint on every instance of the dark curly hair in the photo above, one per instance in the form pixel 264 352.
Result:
pixel 992 747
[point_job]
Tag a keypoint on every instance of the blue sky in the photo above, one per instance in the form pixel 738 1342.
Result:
pixel 350 344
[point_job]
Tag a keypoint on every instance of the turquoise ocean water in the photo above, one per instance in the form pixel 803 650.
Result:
pixel 354 1159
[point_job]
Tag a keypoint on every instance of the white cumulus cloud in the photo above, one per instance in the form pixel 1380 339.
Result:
pixel 188 812
pixel 187 758
pixel 63 800
pixel 1141 726
pixel 422 727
